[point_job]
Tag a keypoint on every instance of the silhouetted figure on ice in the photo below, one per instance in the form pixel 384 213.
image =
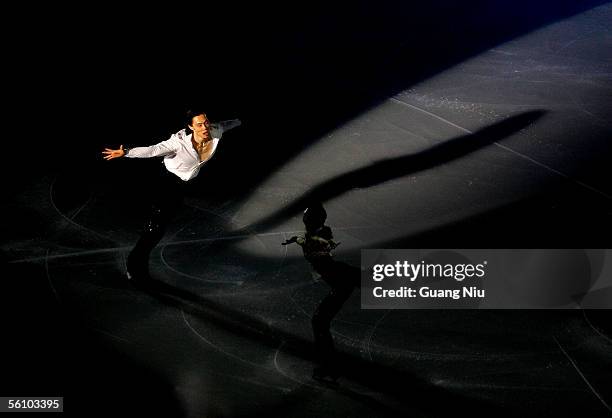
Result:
pixel 317 245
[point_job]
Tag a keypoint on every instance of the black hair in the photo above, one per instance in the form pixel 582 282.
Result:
pixel 314 216
pixel 192 113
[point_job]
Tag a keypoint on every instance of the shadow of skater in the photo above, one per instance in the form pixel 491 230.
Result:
pixel 392 168
pixel 317 245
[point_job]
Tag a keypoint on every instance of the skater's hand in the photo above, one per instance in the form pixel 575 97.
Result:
pixel 290 241
pixel 110 154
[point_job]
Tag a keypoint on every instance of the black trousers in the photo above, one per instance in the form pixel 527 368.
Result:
pixel 343 279
pixel 168 195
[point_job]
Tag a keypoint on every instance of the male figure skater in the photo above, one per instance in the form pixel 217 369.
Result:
pixel 317 244
pixel 184 155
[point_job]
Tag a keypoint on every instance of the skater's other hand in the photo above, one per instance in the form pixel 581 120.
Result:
pixel 290 241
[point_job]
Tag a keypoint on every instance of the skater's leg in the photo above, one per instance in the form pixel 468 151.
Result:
pixel 321 321
pixel 138 259
pixel 165 205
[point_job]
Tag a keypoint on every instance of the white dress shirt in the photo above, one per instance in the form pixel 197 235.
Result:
pixel 180 157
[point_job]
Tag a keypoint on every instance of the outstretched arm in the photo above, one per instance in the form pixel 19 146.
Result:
pixel 299 240
pixel 290 240
pixel 163 148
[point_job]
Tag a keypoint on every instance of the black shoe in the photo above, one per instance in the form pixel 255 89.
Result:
pixel 137 268
pixel 137 275
pixel 326 375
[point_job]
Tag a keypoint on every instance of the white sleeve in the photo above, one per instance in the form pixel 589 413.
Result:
pixel 226 125
pixel 167 147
